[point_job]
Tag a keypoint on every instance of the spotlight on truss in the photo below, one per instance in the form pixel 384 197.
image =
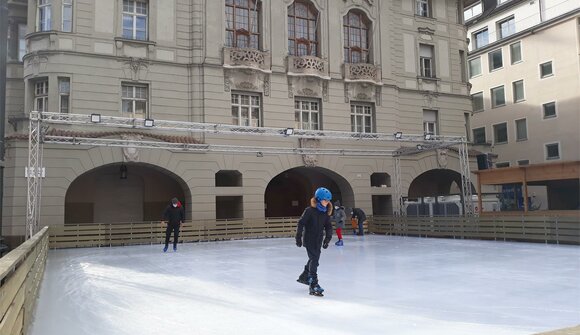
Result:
pixel 398 135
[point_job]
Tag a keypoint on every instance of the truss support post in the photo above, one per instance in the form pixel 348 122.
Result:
pixel 465 179
pixel 33 174
pixel 398 186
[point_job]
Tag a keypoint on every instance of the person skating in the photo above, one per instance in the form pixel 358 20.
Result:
pixel 315 223
pixel 340 219
pixel 173 216
pixel 359 214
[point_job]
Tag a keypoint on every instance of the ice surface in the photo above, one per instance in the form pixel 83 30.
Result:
pixel 373 285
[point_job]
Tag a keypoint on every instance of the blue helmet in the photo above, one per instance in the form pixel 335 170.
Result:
pixel 323 194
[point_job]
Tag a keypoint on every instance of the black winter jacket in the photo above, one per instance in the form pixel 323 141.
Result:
pixel 314 223
pixel 174 215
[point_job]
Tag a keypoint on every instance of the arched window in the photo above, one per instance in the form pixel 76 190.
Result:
pixel 242 24
pixel 356 28
pixel 303 23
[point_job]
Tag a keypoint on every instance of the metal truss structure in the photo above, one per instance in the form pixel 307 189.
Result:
pixel 39 122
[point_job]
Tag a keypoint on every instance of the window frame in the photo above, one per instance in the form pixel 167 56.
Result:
pixel 67 5
pixel 62 95
pixel 428 123
pixel 134 15
pixel 482 102
pixel 471 75
pixel 251 108
pixel 493 103
pixel 490 60
pixel 365 116
pixel 475 34
pixel 42 95
pixel 521 162
pixel 473 131
pixel 238 32
pixel 544 105
pixel 298 124
pixel 43 10
pixel 546 157
pixel 501 165
pixel 500 34
pixel 495 130
pixel 519 43
pixel 134 99
pixel 523 98
pixel 470 9
pixel 525 138
pixel 551 74
pixel 364 33
pixel 419 10
pixel 423 60
pixel 311 9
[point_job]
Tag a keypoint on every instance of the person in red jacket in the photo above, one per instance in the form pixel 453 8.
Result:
pixel 173 216
pixel 315 223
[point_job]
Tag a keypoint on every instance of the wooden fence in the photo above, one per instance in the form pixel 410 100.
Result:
pixel 545 229
pixel 21 272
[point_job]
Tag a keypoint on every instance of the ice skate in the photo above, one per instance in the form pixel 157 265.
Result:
pixel 303 278
pixel 339 243
pixel 174 249
pixel 165 249
pixel 315 289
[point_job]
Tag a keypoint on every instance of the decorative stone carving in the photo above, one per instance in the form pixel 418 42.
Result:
pixel 266 85
pixel 36 62
pixel 362 71
pixel 346 94
pixel 362 96
pixel 442 158
pixel 246 57
pixel 131 154
pixel 227 81
pixel 378 95
pixel 245 85
pixel 313 143
pixel 136 68
pixel 325 90
pixel 431 98
pixel 290 88
pixel 307 92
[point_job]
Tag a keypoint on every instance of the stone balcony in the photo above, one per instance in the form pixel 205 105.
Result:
pixel 246 58
pixel 307 66
pixel 362 72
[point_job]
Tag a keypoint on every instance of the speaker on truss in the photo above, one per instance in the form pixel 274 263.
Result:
pixel 482 162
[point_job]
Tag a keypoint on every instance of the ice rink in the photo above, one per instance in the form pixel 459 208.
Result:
pixel 373 285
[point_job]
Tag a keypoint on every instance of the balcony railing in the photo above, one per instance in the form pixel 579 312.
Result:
pixel 247 58
pixel 362 72
pixel 307 66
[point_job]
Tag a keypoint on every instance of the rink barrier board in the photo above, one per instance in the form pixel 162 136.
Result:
pixel 21 272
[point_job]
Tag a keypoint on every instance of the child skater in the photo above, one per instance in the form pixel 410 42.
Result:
pixel 315 222
pixel 340 218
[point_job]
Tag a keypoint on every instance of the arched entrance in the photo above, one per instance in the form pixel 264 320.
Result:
pixel 123 192
pixel 289 193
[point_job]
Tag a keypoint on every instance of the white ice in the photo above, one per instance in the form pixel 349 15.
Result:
pixel 373 285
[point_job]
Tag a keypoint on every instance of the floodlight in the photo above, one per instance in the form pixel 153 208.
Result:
pixel 419 147
pixel 149 123
pixel 95 118
pixel 288 131
pixel 259 154
pixel 398 135
pixel 428 136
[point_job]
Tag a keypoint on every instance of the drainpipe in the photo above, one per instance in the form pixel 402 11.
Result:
pixel 3 56
pixel 542 8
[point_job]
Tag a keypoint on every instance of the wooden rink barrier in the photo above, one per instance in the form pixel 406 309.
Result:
pixel 21 272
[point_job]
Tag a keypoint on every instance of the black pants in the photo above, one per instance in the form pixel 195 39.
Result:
pixel 312 264
pixel 175 228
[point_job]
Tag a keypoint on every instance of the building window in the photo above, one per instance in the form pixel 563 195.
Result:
pixel 500 165
pixel 307 114
pixel 546 69
pixel 479 136
pixel 426 60
pixel 472 11
pixel 549 110
pixel 41 96
pixel 518 88
pixel 430 122
pixel 516 52
pixel 521 130
pixel 462 63
pixel 480 38
pixel 523 162
pixel 506 27
pixel 356 29
pixel 361 118
pixel 134 100
pixel 16 43
pixel 552 151
pixel 135 19
pixel 495 60
pixel 497 97
pixel 302 29
pixel 242 24
pixel 424 8
pixel 477 101
pixel 467 117
pixel 64 94
pixel 500 133
pixel 246 110
pixel 67 15
pixel 474 67
pixel 43 15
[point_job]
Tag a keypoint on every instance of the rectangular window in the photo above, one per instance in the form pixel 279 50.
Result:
pixel 546 69
pixel 472 11
pixel 518 88
pixel 500 133
pixel 467 117
pixel 64 94
pixel 67 14
pixel 21 41
pixel 479 135
pixel 474 67
pixel 523 162
pixel 480 38
pixel 135 19
pixel 516 52
pixel 502 165
pixel 477 101
pixel 426 60
pixel 246 110
pixel 521 130
pixel 43 15
pixel 134 100
pixel 41 96
pixel 549 110
pixel 243 23
pixel 506 27
pixel 552 151
pixel 423 8
pixel 495 60
pixel 361 118
pixel 307 114
pixel 462 63
pixel 497 97
pixel 430 122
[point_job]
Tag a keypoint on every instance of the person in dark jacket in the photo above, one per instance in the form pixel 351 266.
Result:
pixel 361 218
pixel 339 217
pixel 173 216
pixel 315 224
